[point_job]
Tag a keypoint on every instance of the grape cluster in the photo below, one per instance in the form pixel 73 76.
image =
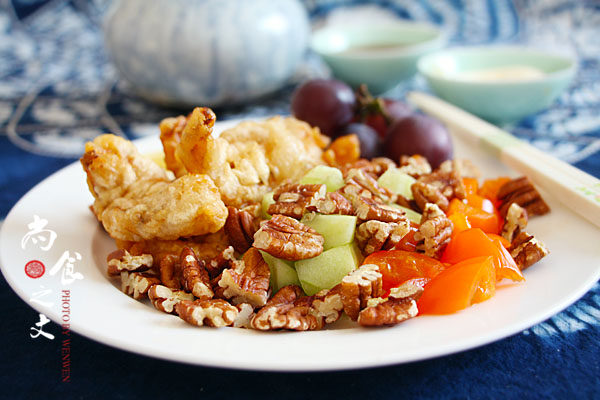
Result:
pixel 384 127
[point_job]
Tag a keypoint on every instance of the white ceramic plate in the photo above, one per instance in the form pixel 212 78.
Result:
pixel 100 311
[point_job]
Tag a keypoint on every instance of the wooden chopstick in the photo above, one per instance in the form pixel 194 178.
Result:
pixel 578 190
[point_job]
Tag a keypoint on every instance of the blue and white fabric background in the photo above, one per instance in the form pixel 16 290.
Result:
pixel 58 90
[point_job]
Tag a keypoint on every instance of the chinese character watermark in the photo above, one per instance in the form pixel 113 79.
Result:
pixel 37 233
pixel 39 331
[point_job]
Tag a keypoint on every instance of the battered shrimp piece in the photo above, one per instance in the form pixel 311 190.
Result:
pixel 249 159
pixel 136 200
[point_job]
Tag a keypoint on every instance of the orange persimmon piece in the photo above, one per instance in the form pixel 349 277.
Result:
pixel 489 188
pixel 471 186
pixel 477 217
pixel 468 282
pixel 459 223
pixel 399 266
pixel 497 238
pixel 475 243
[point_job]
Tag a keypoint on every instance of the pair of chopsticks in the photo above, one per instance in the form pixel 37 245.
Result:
pixel 578 190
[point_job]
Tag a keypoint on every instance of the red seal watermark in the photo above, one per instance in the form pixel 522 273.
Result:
pixel 34 269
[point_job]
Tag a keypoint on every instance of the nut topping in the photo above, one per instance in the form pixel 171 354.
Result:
pixel 415 165
pixel 244 317
pixel 358 287
pixel 194 277
pixel 425 193
pixel 449 183
pixel 292 199
pixel 137 284
pixel 120 260
pixel 219 263
pixel 368 209
pixel 328 304
pixel 374 235
pixel 434 232
pixel 527 250
pixel 522 192
pixel 284 237
pixel 333 203
pixel 514 222
pixel 359 183
pixel 165 299
pixel 247 281
pixel 214 312
pixel 169 270
pixel 288 309
pixel 465 168
pixel 240 228
pixel 399 306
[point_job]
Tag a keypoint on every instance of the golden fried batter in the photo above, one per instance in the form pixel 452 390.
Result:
pixel 247 160
pixel 136 200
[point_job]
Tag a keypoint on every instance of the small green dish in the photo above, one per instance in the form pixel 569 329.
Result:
pixel 469 78
pixel 380 56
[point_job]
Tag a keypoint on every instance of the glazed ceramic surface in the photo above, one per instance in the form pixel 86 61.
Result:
pixel 210 52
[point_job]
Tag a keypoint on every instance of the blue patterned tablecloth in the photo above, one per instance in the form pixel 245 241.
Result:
pixel 58 90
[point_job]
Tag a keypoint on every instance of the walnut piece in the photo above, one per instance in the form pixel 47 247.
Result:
pixel 284 237
pixel 333 203
pixel 425 193
pixel 374 235
pixel 328 304
pixel 194 277
pixel 287 309
pixel 359 183
pixel 358 287
pixel 527 250
pixel 399 306
pixel 368 209
pixel 137 284
pixel 247 281
pixel 415 165
pixel 434 232
pixel 522 192
pixel 165 299
pixel 514 222
pixel 240 228
pixel 120 260
pixel 244 317
pixel 214 312
pixel 292 199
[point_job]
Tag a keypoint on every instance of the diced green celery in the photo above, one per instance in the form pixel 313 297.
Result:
pixel 282 272
pixel 267 200
pixel 321 174
pixel 397 182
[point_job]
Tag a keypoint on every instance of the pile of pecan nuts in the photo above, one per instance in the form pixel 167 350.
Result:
pixel 234 291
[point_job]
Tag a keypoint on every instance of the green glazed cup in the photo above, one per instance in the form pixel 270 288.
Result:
pixel 502 101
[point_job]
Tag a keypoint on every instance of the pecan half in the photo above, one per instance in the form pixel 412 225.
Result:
pixel 449 183
pixel 399 306
pixel 514 222
pixel 425 193
pixel 522 192
pixel 527 250
pixel 284 237
pixel 358 287
pixel 373 235
pixel 137 284
pixel 434 232
pixel 292 199
pixel 375 167
pixel 465 168
pixel 333 203
pixel 214 312
pixel 415 165
pixel 240 228
pixel 169 271
pixel 194 277
pixel 288 309
pixel 120 260
pixel 165 299
pixel 247 281
pixel 244 317
pixel 359 183
pixel 368 209
pixel 328 304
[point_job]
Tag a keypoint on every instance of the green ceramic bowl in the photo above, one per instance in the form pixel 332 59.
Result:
pixel 451 74
pixel 379 55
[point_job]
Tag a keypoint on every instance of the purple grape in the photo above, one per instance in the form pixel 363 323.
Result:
pixel 370 142
pixel 419 134
pixel 326 103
